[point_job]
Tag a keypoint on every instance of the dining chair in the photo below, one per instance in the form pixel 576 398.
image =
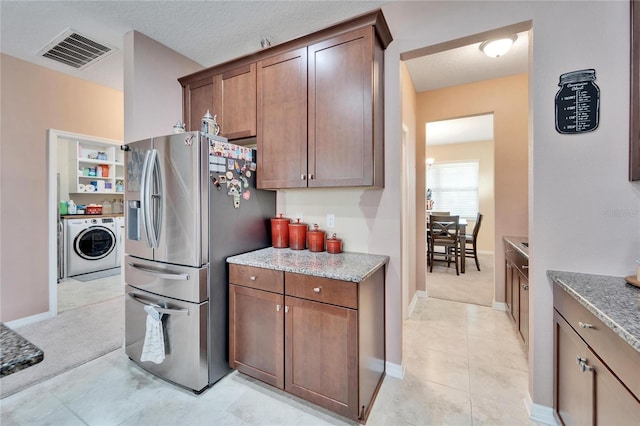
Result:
pixel 444 233
pixel 473 239
pixel 428 233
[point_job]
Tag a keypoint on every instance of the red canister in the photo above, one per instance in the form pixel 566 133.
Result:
pixel 280 231
pixel 297 235
pixel 316 239
pixel 334 245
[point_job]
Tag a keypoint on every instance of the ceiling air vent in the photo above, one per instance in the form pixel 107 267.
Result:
pixel 75 50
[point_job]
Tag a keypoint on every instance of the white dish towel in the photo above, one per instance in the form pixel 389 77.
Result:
pixel 153 348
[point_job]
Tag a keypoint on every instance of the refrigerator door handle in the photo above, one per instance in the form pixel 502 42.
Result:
pixel 167 311
pixel 154 198
pixel 158 274
pixel 145 197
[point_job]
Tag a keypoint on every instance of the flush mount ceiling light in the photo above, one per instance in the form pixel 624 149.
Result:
pixel 498 47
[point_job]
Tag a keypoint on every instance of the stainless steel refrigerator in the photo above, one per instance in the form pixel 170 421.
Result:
pixel 191 201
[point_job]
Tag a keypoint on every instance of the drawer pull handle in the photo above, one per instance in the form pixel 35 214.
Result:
pixel 316 289
pixel 584 367
pixel 580 360
pixel 252 278
pixel 525 266
pixel 584 325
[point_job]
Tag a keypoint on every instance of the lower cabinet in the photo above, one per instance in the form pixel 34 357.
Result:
pixel 517 289
pixel 318 338
pixel 587 390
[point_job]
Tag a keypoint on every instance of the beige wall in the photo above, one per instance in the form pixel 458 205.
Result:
pixel 409 169
pixel 483 152
pixel 565 171
pixel 35 99
pixel 507 99
pixel 153 96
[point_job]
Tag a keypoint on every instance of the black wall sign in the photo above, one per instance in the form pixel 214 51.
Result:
pixel 577 102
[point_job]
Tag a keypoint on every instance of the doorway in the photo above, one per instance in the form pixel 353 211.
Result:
pixel 460 180
pixel 95 273
pixel 503 95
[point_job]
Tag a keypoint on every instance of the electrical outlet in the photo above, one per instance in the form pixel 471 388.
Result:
pixel 331 220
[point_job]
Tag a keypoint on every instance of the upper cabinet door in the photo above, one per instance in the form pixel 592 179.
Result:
pixel 235 102
pixel 282 120
pixel 341 112
pixel 198 98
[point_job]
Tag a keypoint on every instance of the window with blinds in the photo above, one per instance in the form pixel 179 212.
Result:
pixel 454 187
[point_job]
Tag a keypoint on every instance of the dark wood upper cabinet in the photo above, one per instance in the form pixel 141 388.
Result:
pixel 197 99
pixel 634 118
pixel 282 120
pixel 343 143
pixel 234 100
pixel 315 105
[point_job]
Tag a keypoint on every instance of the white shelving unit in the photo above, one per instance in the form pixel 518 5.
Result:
pixel 95 163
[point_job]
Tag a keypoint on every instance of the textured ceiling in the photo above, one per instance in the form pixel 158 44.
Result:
pixel 467 65
pixel 208 32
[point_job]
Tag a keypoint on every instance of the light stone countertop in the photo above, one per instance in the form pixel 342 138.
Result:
pixel 516 242
pixel 354 267
pixel 610 299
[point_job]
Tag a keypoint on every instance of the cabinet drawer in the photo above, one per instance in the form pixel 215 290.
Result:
pixel 260 278
pixel 520 261
pixel 619 356
pixel 325 290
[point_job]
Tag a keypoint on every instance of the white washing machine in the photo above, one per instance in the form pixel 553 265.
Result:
pixel 90 245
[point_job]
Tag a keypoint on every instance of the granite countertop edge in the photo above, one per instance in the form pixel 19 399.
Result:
pixel 346 266
pixel 515 242
pixel 17 353
pixel 623 318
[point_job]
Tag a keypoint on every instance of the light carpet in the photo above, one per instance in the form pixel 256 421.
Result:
pixel 476 287
pixel 68 340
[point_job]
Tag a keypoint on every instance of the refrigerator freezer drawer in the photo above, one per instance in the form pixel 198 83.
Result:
pixel 185 337
pixel 177 282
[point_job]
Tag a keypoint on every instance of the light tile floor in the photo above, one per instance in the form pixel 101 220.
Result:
pixel 464 366
pixel 73 293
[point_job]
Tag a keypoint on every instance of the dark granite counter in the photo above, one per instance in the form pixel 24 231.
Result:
pixel 354 267
pixel 16 352
pixel 610 299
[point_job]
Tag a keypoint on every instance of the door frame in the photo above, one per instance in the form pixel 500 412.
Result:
pixel 53 137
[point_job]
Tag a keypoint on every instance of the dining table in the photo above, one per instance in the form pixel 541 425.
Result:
pixel 462 239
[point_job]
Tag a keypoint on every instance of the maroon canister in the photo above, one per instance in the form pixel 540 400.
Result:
pixel 316 239
pixel 280 231
pixel 297 235
pixel 334 245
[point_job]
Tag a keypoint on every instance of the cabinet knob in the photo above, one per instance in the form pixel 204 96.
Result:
pixel 584 367
pixel 584 325
pixel 525 266
pixel 316 289
pixel 286 309
pixel 310 176
pixel 525 287
pixel 252 277
pixel 278 308
pixel 303 177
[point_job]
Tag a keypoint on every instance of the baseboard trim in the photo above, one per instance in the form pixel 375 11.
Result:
pixel 395 370
pixel 540 413
pixel 30 320
pixel 499 306
pixel 420 294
